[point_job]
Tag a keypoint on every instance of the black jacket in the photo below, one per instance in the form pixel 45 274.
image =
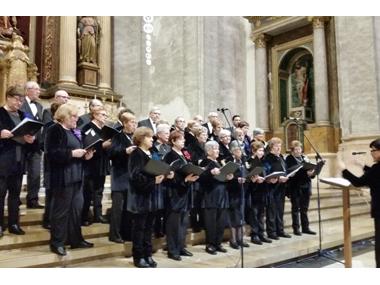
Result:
pixel 120 158
pixel 141 193
pixel 37 145
pixel 370 178
pixel 8 158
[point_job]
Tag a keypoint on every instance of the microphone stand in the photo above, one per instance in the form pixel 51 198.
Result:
pixel 319 160
pixel 225 116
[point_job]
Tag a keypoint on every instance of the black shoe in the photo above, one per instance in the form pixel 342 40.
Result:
pixel 309 232
pixel 34 205
pixel 211 249
pixel 234 245
pixel 256 240
pixel 243 244
pixel 297 233
pixel 174 257
pixel 60 250
pixel 140 263
pixel 264 239
pixel 1 232
pixel 185 252
pixel 151 262
pixel 83 244
pixel 101 219
pixel 117 240
pixel 220 248
pixel 15 229
pixel 46 226
pixel 284 235
pixel 273 237
pixel 86 223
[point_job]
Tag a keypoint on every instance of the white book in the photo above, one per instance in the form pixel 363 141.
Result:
pixel 336 181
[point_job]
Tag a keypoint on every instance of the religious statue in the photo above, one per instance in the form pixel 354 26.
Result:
pixel 88 39
pixel 7 26
pixel 300 84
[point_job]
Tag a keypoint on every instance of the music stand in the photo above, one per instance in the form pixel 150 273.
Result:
pixel 320 163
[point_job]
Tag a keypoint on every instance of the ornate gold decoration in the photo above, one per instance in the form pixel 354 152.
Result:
pixel 260 40
pixel 49 68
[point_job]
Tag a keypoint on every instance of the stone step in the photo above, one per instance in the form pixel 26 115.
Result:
pixel 256 255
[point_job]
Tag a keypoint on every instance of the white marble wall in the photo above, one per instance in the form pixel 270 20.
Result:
pixel 198 65
pixel 358 49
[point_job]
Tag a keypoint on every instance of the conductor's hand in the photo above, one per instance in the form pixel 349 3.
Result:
pixel 159 178
pixel 79 152
pixel 6 134
pixel 170 175
pixel 191 178
pixel 29 138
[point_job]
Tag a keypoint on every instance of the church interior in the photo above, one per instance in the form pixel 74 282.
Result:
pixel 309 78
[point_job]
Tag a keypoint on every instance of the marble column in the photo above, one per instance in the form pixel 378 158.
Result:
pixel 320 72
pixel 68 48
pixel 32 38
pixel 105 52
pixel 261 80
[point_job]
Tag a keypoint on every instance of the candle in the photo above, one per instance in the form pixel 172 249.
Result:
pixel 112 98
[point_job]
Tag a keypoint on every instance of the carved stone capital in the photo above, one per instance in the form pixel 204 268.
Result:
pixel 319 22
pixel 260 40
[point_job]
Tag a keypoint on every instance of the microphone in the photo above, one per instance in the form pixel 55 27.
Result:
pixel 222 109
pixel 358 152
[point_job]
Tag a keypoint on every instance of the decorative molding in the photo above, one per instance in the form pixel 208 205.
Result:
pixel 49 52
pixel 319 22
pixel 261 40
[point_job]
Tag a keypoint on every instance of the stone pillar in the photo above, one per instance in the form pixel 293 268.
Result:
pixel 105 53
pixel 261 80
pixel 320 73
pixel 68 48
pixel 32 38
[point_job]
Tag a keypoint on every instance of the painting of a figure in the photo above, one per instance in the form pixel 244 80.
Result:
pixel 302 82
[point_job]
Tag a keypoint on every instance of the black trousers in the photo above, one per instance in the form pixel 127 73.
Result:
pixel 12 185
pixel 93 187
pixel 279 202
pixel 176 227
pixel 215 222
pixel 33 170
pixel 142 228
pixel 377 241
pixel 257 214
pixel 119 199
pixel 46 216
pixel 65 217
pixel 300 199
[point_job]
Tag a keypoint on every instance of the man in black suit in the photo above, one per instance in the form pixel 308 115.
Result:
pixel 60 97
pixel 33 110
pixel 212 116
pixel 154 117
pixel 95 104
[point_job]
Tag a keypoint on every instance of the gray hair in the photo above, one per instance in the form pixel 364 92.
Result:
pixel 161 128
pixel 210 145
pixel 257 131
pixel 224 132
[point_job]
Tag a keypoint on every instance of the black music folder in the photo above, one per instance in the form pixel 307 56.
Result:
pixel 108 132
pixel 91 143
pixel 275 174
pixel 316 167
pixel 191 169
pixel 255 171
pixel 293 170
pixel 157 167
pixel 229 168
pixel 27 127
